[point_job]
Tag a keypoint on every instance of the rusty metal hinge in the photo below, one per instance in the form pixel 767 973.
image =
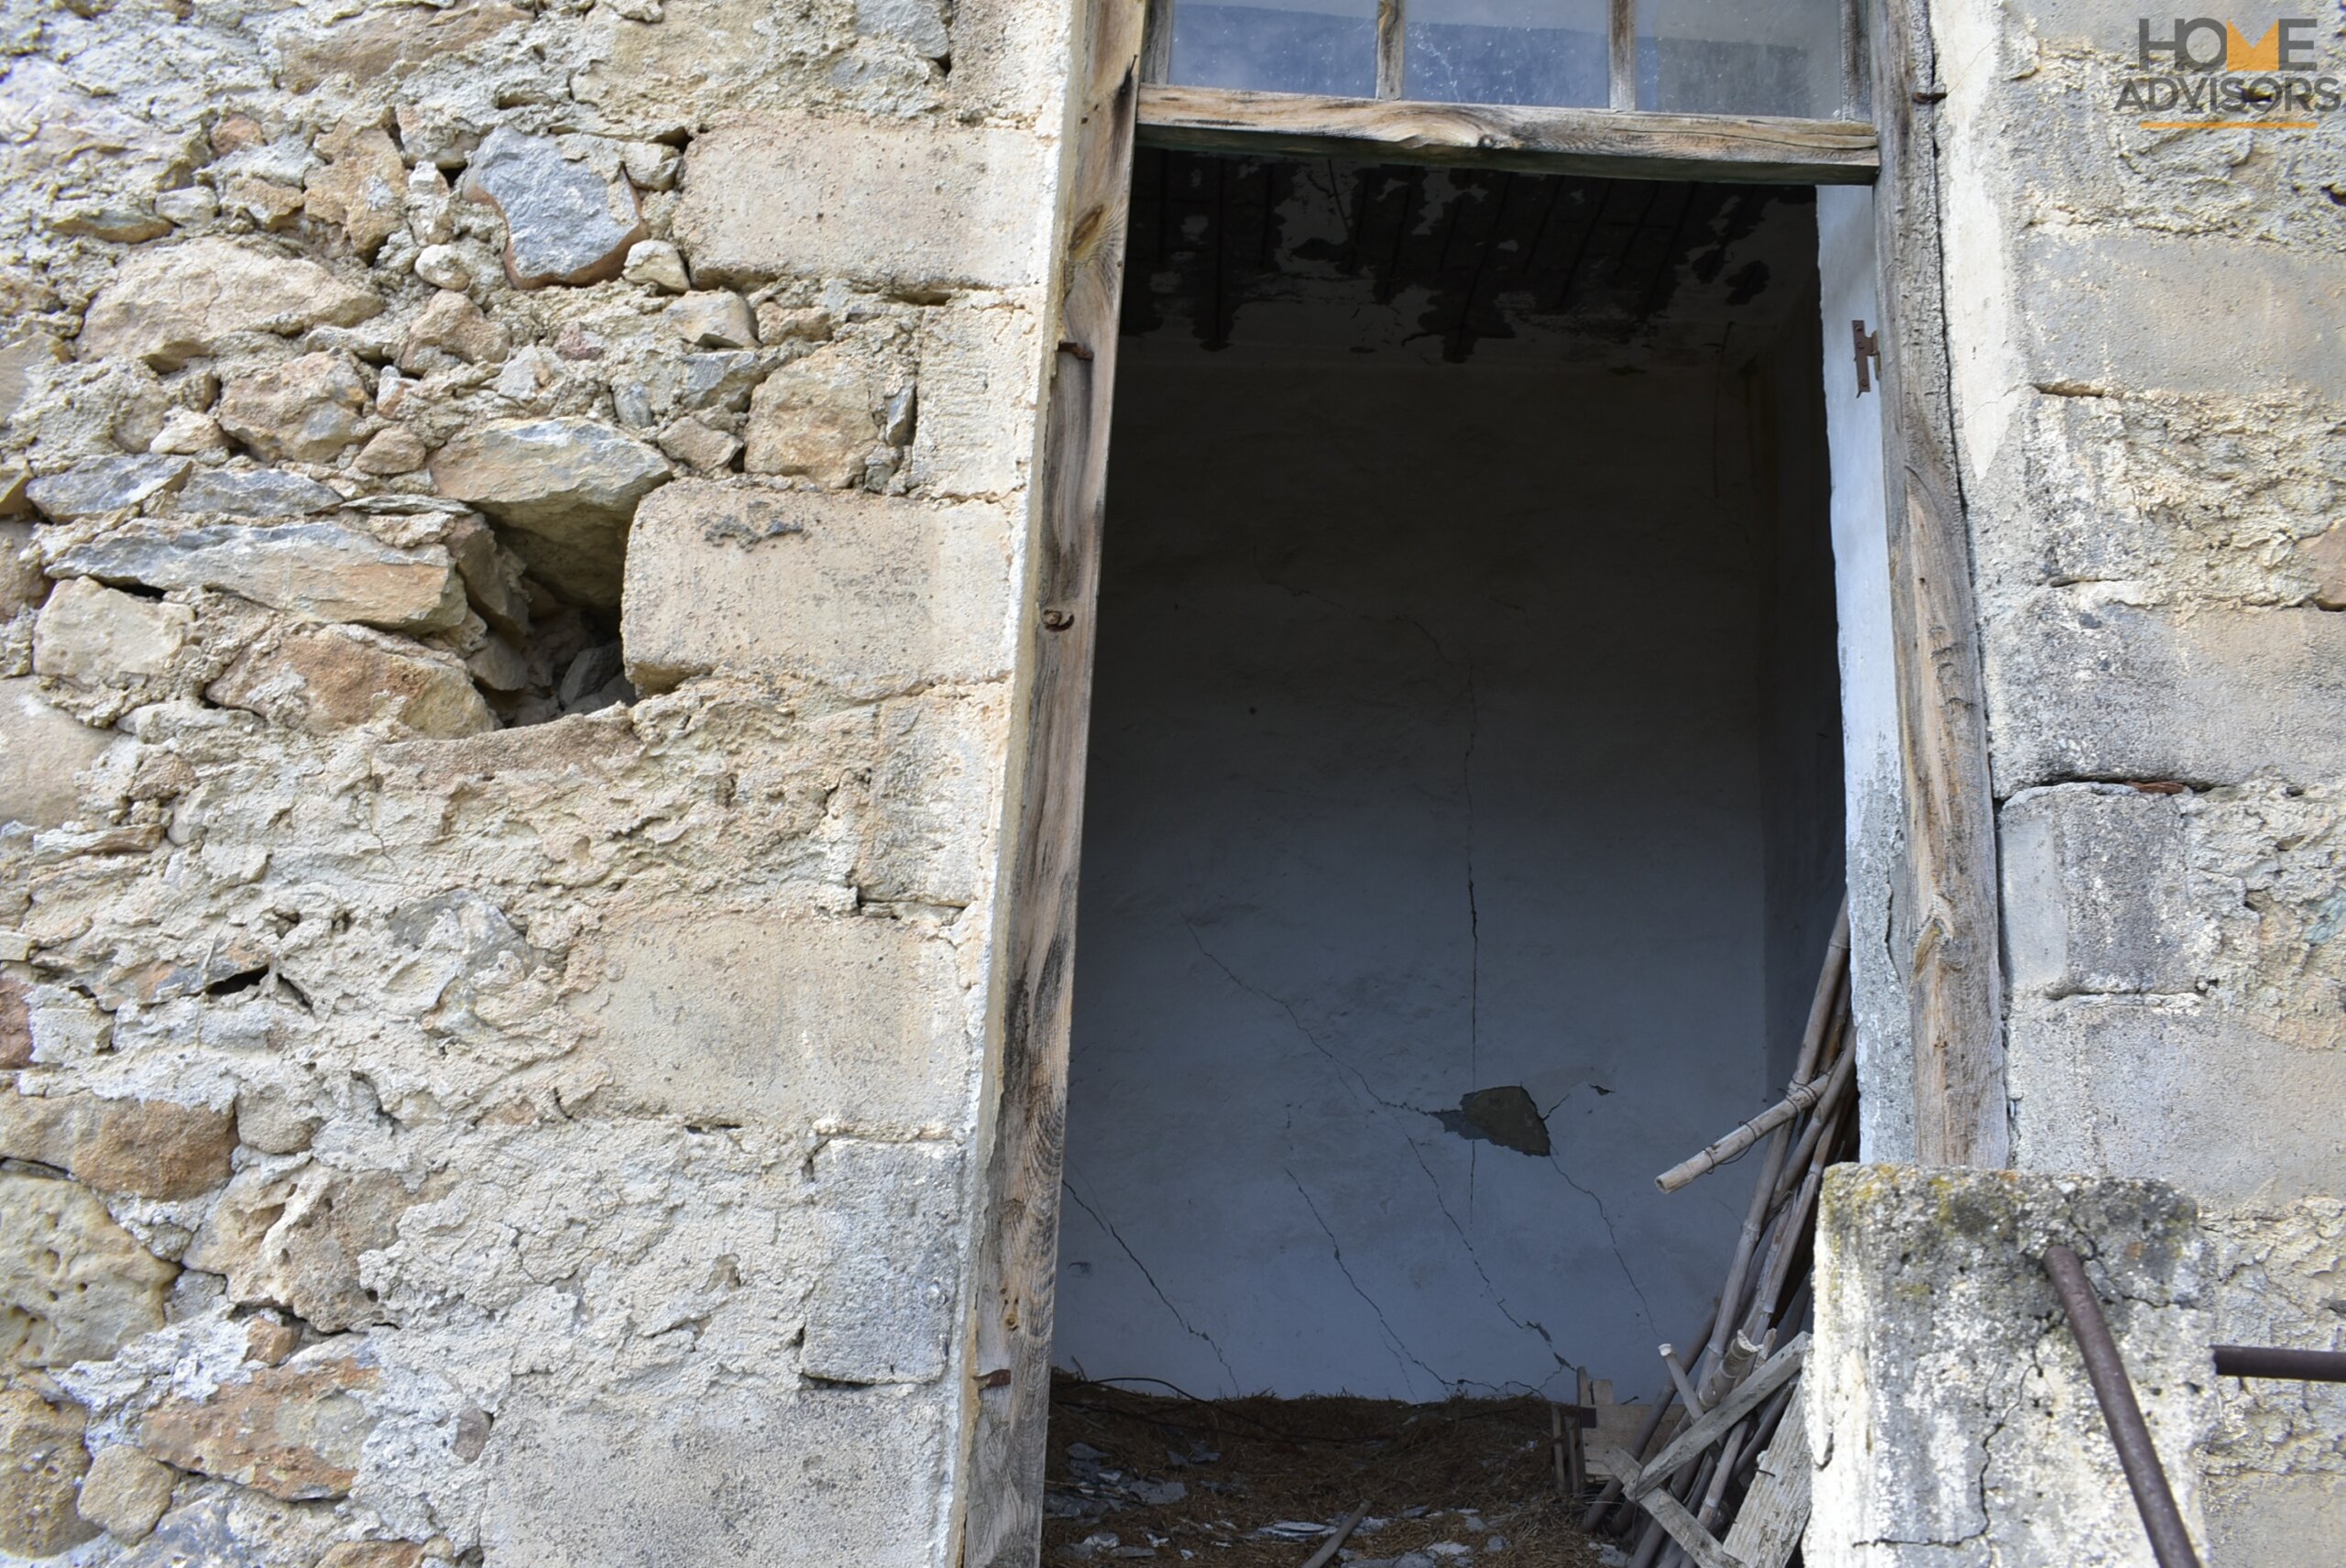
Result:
pixel 1869 349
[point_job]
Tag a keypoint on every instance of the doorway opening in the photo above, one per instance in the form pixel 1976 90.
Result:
pixel 1463 822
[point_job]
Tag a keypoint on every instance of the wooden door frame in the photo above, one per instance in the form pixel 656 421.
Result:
pixel 1954 980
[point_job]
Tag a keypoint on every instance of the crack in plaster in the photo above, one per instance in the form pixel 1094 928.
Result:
pixel 1394 1341
pixel 1067 1183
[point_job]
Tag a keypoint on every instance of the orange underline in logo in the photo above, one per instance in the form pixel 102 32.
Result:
pixel 2230 125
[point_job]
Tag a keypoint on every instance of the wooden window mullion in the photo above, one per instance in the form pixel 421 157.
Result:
pixel 1621 52
pixel 1392 26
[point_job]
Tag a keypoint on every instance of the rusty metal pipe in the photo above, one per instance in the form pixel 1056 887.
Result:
pixel 2273 1361
pixel 2170 1543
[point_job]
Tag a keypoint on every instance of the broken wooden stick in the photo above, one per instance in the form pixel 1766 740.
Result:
pixel 1798 1097
pixel 1328 1548
pixel 1706 1429
pixel 1671 1516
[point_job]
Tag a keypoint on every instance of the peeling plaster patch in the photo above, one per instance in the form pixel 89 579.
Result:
pixel 1506 1117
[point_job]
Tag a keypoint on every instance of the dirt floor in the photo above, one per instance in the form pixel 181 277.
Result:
pixel 1257 1483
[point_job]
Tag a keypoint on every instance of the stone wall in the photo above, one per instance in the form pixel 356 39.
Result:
pixel 2150 404
pixel 514 521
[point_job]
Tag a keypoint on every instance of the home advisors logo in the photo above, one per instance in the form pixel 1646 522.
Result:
pixel 2212 69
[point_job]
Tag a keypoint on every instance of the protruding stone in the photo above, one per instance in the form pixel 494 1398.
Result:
pixel 453 325
pixel 566 488
pixel 363 188
pixel 264 202
pixel 188 434
pixel 126 1492
pixel 305 411
pixel 41 749
pixel 294 1432
pixel 2326 556
pixel 189 206
pixel 294 1241
pixel 93 636
pixel 778 323
pixel 720 380
pixel 442 267
pixel 377 45
pixel 699 446
pixel 715 318
pixel 325 571
pixel 493 577
pixel 918 23
pixel 563 222
pixel 23 360
pixel 149 1149
pixel 74 1286
pixel 119 221
pixel 255 492
pixel 105 485
pixel 817 417
pixel 656 264
pixel 372 1554
pixel 41 1462
pixel 16 1025
pixel 328 678
pixel 395 450
pixel 168 306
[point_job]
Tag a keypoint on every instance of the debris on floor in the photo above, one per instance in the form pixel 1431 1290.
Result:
pixel 1266 1482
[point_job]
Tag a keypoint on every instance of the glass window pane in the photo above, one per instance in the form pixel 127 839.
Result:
pixel 1282 45
pixel 1741 57
pixel 1506 52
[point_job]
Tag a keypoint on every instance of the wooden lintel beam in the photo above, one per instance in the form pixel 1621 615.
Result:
pixel 1625 145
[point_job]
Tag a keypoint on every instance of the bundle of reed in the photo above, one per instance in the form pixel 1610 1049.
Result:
pixel 1739 1466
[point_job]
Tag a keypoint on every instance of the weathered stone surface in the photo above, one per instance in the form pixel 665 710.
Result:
pixel 362 186
pixel 655 264
pixel 566 490
pixel 294 1241
pixel 305 411
pixel 396 450
pixel 719 1016
pixel 267 204
pixel 2182 1089
pixel 372 1554
pixel 378 45
pixel 73 1285
pixel 979 375
pixel 492 576
pixel 94 636
pixel 126 1492
pixel 452 325
pixel 326 571
pixel 152 1148
pixel 817 417
pixel 41 1460
pixel 322 679
pixel 22 361
pixel 2095 892
pixel 294 1432
pixel 619 1481
pixel 41 751
pixel 442 267
pixel 724 379
pixel 919 23
pixel 2326 555
pixel 931 204
pixel 169 306
pixel 697 446
pixel 882 1310
pixel 713 318
pixel 106 485
pixel 255 492
pixel 563 223
pixel 16 1025
pixel 187 433
pixel 229 1526
pixel 852 588
pixel 116 222
pixel 2108 691
pixel 22 583
pixel 1946 1400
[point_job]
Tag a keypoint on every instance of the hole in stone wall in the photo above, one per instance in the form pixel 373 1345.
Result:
pixel 1461 832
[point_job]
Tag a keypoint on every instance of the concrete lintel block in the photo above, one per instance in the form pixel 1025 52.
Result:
pixel 2096 891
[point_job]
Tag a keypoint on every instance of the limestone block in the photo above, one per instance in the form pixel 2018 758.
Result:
pixel 372 1554
pixel 442 267
pixel 819 417
pixel 920 24
pixel 22 583
pixel 929 832
pixel 980 371
pixel 325 571
pixel 722 379
pixel 882 1307
pixel 16 1025
pixel 254 492
pixel 2095 894
pixel 2184 1091
pixel 588 1486
pixel 713 318
pixel 150 1148
pixel 453 325
pixel 94 636
pixel 714 1015
pixel 930 204
pixel 304 410
pixel 325 678
pixel 126 1492
pixel 699 446
pixel 564 223
pixel 2139 310
pixel 41 751
pixel 851 588
pixel 1946 1400
pixel 41 1461
pixel 363 187
pixel 565 488
pixel 656 264
pixel 22 362
pixel 396 450
pixel 2108 691
pixel 379 46
pixel 2325 557
pixel 294 1432
pixel 492 576
pixel 168 306
pixel 294 1241
pixel 73 1285
pixel 108 484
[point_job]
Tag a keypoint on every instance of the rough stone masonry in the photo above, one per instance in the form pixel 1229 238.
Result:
pixel 507 610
